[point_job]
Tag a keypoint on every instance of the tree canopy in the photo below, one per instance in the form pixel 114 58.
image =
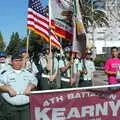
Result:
pixel 14 44
pixel 2 44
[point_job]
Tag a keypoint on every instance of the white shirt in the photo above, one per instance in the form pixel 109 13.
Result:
pixel 18 81
pixel 90 69
pixel 43 62
pixel 32 66
pixel 4 67
pixel 62 64
pixel 77 66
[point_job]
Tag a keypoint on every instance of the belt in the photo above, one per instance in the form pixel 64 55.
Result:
pixel 62 78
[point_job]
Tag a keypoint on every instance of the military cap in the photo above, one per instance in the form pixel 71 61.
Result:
pixel 3 54
pixel 17 56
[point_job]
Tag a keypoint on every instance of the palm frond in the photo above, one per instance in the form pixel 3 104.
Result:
pixel 92 12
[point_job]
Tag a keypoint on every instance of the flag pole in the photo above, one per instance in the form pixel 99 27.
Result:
pixel 50 23
pixel 50 35
pixel 27 42
pixel 74 36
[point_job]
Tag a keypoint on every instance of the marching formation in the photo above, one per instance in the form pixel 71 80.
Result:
pixel 64 69
pixel 54 69
pixel 19 75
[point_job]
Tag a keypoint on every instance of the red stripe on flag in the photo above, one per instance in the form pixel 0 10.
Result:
pixel 63 33
pixel 38 24
pixel 54 43
pixel 31 27
pixel 40 18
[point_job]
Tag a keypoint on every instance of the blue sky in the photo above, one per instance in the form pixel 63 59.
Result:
pixel 13 14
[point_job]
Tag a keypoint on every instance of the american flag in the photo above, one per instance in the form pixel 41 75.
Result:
pixel 38 21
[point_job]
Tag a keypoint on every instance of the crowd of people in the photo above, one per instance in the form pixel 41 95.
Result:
pixel 67 69
pixel 20 74
pixel 55 69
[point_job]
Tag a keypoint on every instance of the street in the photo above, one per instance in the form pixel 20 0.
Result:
pixel 100 78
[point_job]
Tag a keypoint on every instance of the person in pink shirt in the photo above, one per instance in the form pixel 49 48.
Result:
pixel 112 65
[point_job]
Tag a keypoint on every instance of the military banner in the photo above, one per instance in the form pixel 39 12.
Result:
pixel 79 37
pixel 76 104
pixel 62 13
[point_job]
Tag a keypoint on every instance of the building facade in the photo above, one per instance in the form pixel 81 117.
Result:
pixel 103 38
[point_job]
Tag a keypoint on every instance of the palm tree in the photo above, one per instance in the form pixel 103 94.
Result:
pixel 93 13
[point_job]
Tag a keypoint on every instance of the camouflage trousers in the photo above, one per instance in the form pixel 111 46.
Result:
pixel 45 84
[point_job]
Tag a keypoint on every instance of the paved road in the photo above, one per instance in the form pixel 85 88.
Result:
pixel 100 78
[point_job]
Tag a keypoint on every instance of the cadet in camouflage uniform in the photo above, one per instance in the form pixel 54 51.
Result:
pixel 65 66
pixel 88 70
pixel 77 70
pixel 50 66
pixel 15 85
pixel 4 66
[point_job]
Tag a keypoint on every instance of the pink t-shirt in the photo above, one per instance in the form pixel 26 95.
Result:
pixel 112 65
